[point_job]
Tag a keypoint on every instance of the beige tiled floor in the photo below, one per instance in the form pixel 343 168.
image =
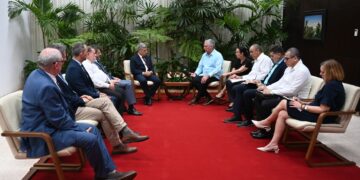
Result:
pixel 346 144
pixel 11 168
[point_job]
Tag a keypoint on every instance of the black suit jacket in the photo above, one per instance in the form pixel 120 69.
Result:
pixel 137 66
pixel 72 98
pixel 277 74
pixel 79 80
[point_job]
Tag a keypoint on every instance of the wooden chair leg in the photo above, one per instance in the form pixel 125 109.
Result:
pixel 311 147
pixel 285 135
pixel 57 163
pixel 82 157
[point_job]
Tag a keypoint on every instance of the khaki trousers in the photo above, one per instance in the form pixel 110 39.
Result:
pixel 102 110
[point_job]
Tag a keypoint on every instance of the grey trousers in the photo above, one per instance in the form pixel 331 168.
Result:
pixel 129 91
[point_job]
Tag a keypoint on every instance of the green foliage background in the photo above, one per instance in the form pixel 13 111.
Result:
pixel 181 28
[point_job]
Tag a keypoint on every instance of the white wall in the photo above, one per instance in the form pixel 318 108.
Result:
pixel 15 47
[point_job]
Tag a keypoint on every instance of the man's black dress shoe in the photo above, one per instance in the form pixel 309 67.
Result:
pixel 193 101
pixel 244 123
pixel 232 120
pixel 133 111
pixel 255 132
pixel 263 134
pixel 230 109
pixel 208 101
pixel 116 175
pixel 148 101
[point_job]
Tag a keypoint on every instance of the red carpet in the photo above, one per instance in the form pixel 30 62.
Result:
pixel 192 142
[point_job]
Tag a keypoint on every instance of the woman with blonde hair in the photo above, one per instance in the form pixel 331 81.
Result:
pixel 331 97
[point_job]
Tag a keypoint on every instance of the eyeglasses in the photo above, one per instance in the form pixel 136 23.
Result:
pixel 62 60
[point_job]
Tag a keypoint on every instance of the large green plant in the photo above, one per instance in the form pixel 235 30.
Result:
pixel 106 28
pixel 53 22
pixel 263 26
pixel 149 26
pixel 194 20
pixel 122 11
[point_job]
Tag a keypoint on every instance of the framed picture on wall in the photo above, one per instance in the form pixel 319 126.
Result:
pixel 314 25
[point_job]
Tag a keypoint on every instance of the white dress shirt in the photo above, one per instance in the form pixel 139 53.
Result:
pixel 295 82
pixel 99 78
pixel 142 59
pixel 262 66
pixel 53 78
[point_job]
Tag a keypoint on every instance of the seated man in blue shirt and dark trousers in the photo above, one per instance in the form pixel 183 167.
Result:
pixel 46 110
pixel 208 70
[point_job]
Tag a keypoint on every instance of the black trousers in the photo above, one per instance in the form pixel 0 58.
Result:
pixel 148 91
pixel 264 105
pixel 239 98
pixel 202 88
pixel 230 90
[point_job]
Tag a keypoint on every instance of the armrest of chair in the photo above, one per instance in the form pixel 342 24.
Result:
pixel 44 136
pixel 330 113
pixel 26 134
pixel 130 77
pixel 222 81
pixel 307 100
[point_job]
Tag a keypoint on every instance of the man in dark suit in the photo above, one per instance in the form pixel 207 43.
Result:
pixel 76 75
pixel 46 110
pixel 245 92
pixel 101 109
pixel 80 81
pixel 143 71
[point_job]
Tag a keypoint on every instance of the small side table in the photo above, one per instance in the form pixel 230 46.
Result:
pixel 182 86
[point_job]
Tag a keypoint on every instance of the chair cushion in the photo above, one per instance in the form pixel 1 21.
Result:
pixel 214 84
pixel 307 126
pixel 88 121
pixel 10 111
pixel 137 83
pixel 316 85
pixel 67 151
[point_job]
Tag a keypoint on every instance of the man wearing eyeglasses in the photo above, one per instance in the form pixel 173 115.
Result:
pixel 46 110
pixel 295 82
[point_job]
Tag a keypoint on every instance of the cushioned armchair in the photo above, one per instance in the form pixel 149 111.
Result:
pixel 136 83
pixel 311 130
pixel 316 84
pixel 10 117
pixel 218 85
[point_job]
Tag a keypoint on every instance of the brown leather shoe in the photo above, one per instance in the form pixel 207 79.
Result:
pixel 133 137
pixel 123 149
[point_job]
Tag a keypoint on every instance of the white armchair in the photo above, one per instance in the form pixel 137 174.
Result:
pixel 310 130
pixel 218 85
pixel 136 83
pixel 10 117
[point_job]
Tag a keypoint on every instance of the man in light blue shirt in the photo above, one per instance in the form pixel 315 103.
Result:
pixel 208 70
